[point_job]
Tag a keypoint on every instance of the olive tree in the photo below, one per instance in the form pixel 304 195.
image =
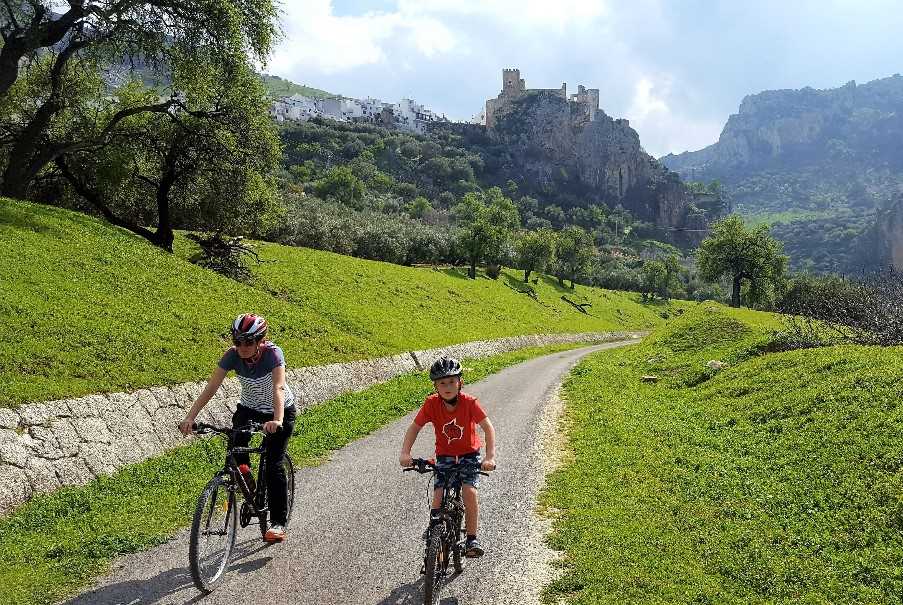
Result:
pixel 745 255
pixel 535 251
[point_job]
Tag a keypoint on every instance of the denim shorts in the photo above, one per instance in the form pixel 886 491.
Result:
pixel 468 477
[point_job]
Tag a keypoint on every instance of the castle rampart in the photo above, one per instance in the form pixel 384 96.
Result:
pixel 514 87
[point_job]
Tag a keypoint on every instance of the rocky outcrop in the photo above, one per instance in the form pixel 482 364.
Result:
pixel 46 446
pixel 833 155
pixel 786 128
pixel 556 144
pixel 889 228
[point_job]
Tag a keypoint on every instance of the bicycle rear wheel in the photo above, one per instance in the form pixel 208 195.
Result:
pixel 289 467
pixel 212 534
pixel 433 567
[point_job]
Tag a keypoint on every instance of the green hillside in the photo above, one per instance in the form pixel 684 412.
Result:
pixel 92 308
pixel 776 479
pixel 280 87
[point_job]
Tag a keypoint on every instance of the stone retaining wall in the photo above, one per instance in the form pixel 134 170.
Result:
pixel 45 446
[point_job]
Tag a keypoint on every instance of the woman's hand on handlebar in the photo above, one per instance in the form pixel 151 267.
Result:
pixel 187 426
pixel 272 426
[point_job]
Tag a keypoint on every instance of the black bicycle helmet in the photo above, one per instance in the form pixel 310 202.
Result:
pixel 445 367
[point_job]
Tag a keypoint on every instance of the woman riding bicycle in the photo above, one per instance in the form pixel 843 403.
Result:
pixel 265 398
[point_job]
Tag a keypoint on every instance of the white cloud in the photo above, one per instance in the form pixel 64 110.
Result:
pixel 661 130
pixel 513 13
pixel 646 101
pixel 318 41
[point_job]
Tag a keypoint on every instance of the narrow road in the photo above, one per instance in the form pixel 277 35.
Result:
pixel 355 532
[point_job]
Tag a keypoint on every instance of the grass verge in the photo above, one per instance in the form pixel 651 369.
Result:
pixel 58 543
pixel 778 479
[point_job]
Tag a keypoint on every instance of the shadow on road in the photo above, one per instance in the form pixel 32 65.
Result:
pixel 145 592
pixel 412 594
pixel 155 590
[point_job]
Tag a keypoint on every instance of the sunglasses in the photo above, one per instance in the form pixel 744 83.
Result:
pixel 243 341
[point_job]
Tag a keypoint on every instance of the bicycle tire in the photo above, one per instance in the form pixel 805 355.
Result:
pixel 210 502
pixel 432 573
pixel 290 483
pixel 457 550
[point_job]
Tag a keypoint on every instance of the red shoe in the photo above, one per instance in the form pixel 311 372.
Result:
pixel 276 533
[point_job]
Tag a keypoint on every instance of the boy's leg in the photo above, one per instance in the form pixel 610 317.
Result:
pixel 437 498
pixel 471 512
pixel 277 482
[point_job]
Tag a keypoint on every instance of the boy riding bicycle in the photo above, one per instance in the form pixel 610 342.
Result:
pixel 265 398
pixel 454 416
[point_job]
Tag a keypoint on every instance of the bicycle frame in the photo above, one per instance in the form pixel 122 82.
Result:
pixel 233 475
pixel 452 506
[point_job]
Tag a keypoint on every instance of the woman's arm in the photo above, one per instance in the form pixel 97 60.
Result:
pixel 213 384
pixel 278 400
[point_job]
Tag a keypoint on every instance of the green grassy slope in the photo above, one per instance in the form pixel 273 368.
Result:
pixel 92 308
pixel 777 479
pixel 280 87
pixel 388 304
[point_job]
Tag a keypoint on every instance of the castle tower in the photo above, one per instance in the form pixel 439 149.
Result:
pixel 512 82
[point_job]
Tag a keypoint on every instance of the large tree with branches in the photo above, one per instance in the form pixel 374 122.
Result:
pixel 194 163
pixel 184 44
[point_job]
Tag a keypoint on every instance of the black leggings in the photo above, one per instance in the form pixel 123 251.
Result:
pixel 277 483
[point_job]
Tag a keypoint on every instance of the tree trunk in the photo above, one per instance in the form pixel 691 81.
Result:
pixel 472 270
pixel 164 235
pixel 735 294
pixel 30 154
pixel 526 275
pixel 162 238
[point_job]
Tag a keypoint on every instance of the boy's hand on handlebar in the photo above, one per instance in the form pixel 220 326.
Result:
pixel 488 464
pixel 272 426
pixel 405 460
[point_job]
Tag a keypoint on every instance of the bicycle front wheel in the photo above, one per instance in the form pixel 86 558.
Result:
pixel 433 567
pixel 212 534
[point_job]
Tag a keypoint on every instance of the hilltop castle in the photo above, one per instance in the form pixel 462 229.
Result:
pixel 513 88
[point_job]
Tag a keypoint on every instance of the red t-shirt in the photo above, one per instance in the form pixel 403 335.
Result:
pixel 456 431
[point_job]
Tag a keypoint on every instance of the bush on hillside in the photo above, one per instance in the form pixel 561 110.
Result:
pixel 826 310
pixel 314 223
pixel 226 255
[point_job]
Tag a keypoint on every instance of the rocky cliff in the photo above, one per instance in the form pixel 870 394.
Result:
pixel 793 128
pixel 556 145
pixel 812 160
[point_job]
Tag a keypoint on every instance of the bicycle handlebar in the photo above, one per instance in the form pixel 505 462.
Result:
pixel 428 466
pixel 252 427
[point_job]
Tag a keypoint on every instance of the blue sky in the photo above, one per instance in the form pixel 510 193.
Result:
pixel 675 69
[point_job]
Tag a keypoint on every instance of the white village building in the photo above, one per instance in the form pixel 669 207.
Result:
pixel 405 115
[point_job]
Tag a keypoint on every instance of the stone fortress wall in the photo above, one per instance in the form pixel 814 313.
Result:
pixel 514 87
pixel 46 446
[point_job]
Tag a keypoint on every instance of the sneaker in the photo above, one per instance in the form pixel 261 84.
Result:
pixel 472 549
pixel 276 533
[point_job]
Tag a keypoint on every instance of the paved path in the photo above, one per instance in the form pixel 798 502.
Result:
pixel 355 533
